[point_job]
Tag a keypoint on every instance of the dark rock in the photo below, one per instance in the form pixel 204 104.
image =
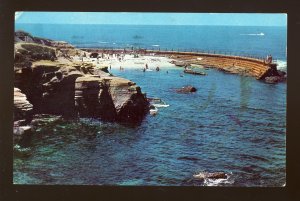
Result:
pixel 59 75
pixel 94 55
pixel 186 89
pixel 281 73
pixel 213 175
pixel 21 133
pixel 273 79
pixel 188 158
pixel 40 120
pixel 110 98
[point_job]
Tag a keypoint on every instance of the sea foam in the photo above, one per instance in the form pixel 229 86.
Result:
pixel 281 65
pixel 254 34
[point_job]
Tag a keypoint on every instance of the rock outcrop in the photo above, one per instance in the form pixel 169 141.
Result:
pixel 186 89
pixel 22 108
pixel 109 98
pixel 23 111
pixel 213 175
pixel 56 85
pixel 63 48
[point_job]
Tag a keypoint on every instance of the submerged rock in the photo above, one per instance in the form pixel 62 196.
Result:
pixel 274 79
pixel 186 89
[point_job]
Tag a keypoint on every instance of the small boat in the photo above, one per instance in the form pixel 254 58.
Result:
pixel 189 71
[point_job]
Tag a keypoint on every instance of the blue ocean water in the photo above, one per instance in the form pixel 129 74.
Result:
pixel 255 41
pixel 232 123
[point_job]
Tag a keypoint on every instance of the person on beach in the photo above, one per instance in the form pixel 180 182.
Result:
pixel 110 67
pixel 144 69
pixel 270 58
pixel 146 66
pixel 157 68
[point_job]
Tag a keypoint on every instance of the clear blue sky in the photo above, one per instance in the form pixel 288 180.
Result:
pixel 152 18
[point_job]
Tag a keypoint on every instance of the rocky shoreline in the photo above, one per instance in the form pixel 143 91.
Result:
pixel 49 81
pixel 55 78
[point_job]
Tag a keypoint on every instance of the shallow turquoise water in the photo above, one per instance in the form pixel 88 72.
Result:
pixel 232 123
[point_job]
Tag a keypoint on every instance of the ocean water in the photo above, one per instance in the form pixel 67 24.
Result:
pixel 232 123
pixel 238 40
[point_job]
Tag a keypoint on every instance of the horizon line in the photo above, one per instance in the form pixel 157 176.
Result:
pixel 155 24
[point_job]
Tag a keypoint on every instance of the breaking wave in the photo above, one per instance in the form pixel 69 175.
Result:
pixel 155 45
pixel 161 105
pixel 219 182
pixel 281 65
pixel 254 34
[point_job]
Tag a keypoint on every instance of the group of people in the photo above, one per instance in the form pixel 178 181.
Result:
pixel 146 68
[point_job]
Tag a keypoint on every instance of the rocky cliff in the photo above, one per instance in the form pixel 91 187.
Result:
pixel 55 84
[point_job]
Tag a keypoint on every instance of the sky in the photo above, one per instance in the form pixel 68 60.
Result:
pixel 130 18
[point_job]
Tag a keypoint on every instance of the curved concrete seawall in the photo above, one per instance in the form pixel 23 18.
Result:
pixel 231 64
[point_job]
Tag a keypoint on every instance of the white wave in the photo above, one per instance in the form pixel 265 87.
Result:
pixel 103 42
pixel 218 182
pixel 161 105
pixel 155 45
pixel 281 65
pixel 254 34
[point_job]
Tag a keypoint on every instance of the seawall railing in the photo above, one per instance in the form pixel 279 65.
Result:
pixel 146 51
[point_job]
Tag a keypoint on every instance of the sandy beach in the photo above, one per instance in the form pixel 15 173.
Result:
pixel 128 61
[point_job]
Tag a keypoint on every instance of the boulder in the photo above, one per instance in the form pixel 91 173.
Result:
pixel 186 89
